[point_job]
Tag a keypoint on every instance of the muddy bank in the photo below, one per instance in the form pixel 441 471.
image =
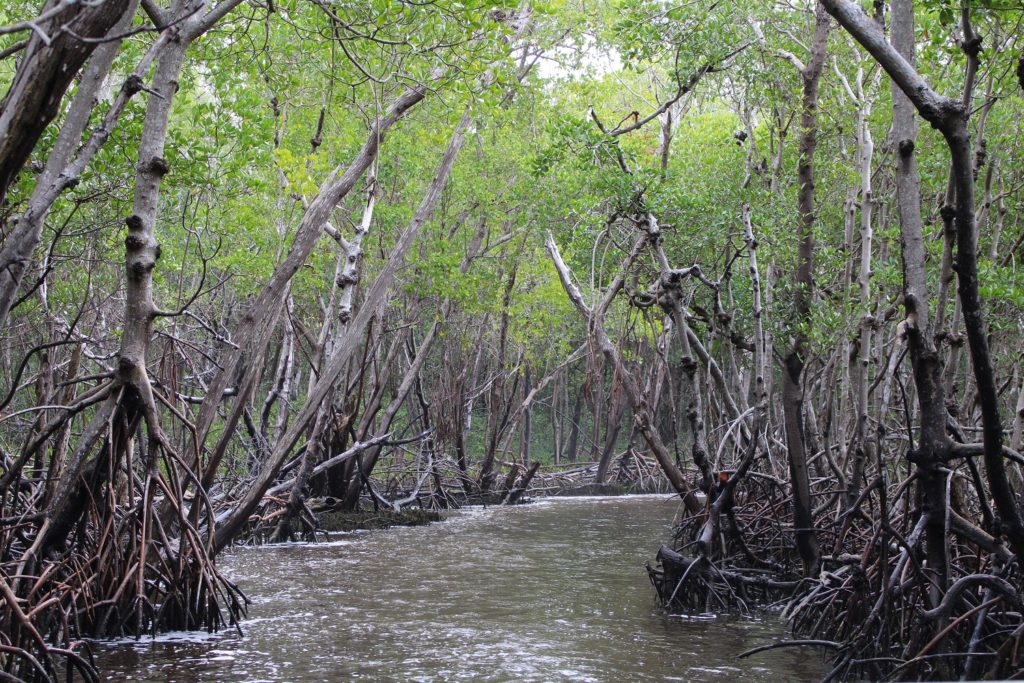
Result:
pixel 610 489
pixel 382 519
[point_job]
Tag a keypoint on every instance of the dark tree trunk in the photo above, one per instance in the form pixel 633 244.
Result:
pixel 950 117
pixel 614 425
pixel 796 356
pixel 572 447
pixel 44 75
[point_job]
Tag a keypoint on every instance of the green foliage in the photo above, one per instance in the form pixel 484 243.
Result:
pixel 271 104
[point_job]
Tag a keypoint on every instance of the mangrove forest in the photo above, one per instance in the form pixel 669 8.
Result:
pixel 274 270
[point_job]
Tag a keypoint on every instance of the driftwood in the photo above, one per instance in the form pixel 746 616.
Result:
pixel 517 491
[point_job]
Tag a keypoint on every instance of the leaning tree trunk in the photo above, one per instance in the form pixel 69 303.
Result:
pixel 252 328
pixel 346 278
pixel 136 578
pixel 641 411
pixel 69 157
pixel 345 348
pixel 366 465
pixel 55 53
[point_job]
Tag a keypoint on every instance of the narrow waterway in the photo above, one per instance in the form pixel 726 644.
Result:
pixel 553 591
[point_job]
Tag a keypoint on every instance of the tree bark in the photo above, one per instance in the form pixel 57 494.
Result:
pixel 613 426
pixel 572 447
pixel 641 411
pixel 44 74
pixel 950 117
pixel 255 319
pixel 67 160
pixel 796 356
pixel 347 345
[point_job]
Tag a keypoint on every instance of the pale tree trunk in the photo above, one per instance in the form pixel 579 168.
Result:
pixel 842 360
pixel 344 283
pixel 665 141
pixel 346 346
pixel 468 379
pixel 284 378
pixel 556 419
pixel 439 497
pixel 767 290
pixel 62 439
pixel 861 446
pixel 919 330
pixel 997 229
pixel 1017 440
pixel 254 322
pixel 759 388
pixel 596 395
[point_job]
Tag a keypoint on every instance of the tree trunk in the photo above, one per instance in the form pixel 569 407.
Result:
pixel 45 71
pixel 67 159
pixel 347 345
pixel 614 424
pixel 641 412
pixel 527 434
pixel 495 407
pixel 950 117
pixel 254 321
pixel 572 447
pixel 796 356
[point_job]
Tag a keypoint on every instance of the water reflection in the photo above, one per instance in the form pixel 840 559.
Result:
pixel 549 592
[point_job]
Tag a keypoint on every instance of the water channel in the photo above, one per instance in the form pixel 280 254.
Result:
pixel 553 591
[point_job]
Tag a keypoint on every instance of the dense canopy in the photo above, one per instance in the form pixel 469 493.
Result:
pixel 260 256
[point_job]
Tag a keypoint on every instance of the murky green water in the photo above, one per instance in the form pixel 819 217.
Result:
pixel 554 591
